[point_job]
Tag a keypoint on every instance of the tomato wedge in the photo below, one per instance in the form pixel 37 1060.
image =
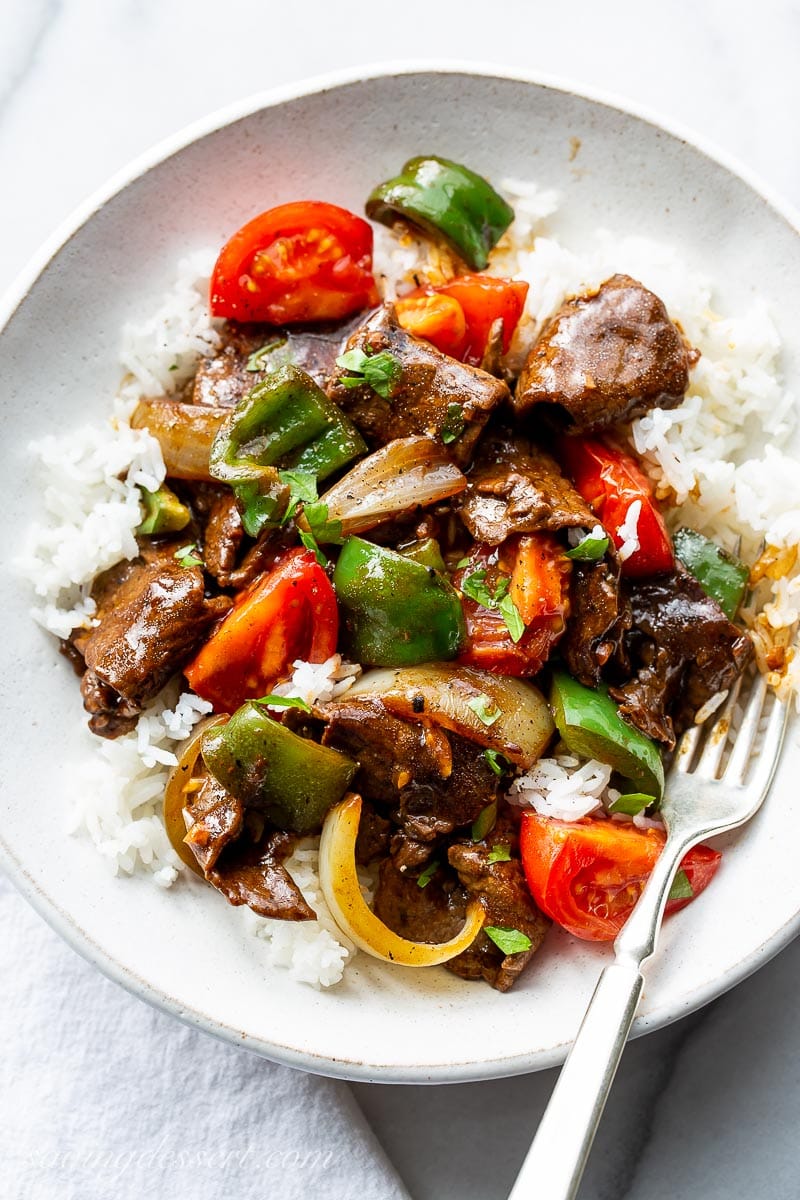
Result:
pixel 457 317
pixel 587 875
pixel 305 261
pixel 534 573
pixel 610 482
pixel 286 613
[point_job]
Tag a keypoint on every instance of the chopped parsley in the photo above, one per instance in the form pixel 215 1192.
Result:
pixel 500 853
pixel 496 761
pixel 379 371
pixel 454 423
pixel 631 803
pixel 484 822
pixel 681 888
pixel 427 875
pixel 188 556
pixel 484 708
pixel 302 487
pixel 273 701
pixel 591 547
pixel 474 586
pixel 510 941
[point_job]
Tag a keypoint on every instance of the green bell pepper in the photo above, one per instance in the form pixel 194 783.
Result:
pixel 291 779
pixel 163 512
pixel 426 552
pixel 721 576
pixel 397 612
pixel 590 725
pixel 446 200
pixel 285 421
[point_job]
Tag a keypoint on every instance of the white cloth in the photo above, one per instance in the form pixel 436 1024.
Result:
pixel 104 1096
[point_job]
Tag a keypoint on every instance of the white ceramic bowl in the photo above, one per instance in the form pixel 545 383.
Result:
pixel 185 950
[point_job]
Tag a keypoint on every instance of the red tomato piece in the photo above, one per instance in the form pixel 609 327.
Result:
pixel 459 323
pixel 537 574
pixel 287 613
pixel 306 261
pixel 610 482
pixel 587 875
pixel 437 319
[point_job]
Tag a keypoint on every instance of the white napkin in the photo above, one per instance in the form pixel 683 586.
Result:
pixel 104 1096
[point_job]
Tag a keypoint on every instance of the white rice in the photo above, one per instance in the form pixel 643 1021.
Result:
pixel 699 455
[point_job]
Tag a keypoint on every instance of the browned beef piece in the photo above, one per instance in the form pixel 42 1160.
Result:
pixel 222 538
pixel 433 913
pixel 599 617
pixel 373 834
pixel 433 782
pixel 152 616
pixel 607 356
pixel 255 875
pixel 515 487
pixel 504 895
pixel 433 394
pixel 223 379
pixel 683 649
pixel 217 819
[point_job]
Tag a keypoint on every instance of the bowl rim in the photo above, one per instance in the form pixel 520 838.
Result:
pixel 47 906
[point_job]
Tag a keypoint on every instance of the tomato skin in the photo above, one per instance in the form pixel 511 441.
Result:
pixel 587 875
pixel 610 482
pixel 287 613
pixel 438 319
pixel 538 574
pixel 305 261
pixel 481 300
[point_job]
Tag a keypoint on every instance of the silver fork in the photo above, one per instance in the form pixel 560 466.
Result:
pixel 698 803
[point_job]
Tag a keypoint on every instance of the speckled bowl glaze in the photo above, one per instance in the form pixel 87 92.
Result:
pixel 184 950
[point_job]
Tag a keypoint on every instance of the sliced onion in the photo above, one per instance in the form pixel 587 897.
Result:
pixel 184 432
pixel 406 473
pixel 443 691
pixel 339 882
pixel 179 783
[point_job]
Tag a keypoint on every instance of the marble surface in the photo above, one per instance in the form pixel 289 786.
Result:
pixel 707 1107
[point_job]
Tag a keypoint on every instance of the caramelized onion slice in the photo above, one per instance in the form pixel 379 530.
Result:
pixel 498 712
pixel 339 882
pixel 404 474
pixel 183 431
pixel 181 780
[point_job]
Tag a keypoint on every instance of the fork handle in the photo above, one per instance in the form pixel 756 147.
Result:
pixel 555 1163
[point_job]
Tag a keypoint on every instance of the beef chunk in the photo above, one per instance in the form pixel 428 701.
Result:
pixel 433 913
pixel 607 356
pixel 222 538
pixel 223 379
pixel 599 616
pixel 373 834
pixel 515 487
pixel 152 616
pixel 432 782
pixel 683 649
pixel 503 893
pixel 433 395
pixel 216 819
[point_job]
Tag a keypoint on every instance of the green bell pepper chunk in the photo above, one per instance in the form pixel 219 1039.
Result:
pixel 163 512
pixel 590 725
pixel 426 552
pixel 721 575
pixel 397 612
pixel 285 421
pixel 291 779
pixel 446 200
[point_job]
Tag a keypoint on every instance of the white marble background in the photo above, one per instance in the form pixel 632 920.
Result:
pixel 707 1108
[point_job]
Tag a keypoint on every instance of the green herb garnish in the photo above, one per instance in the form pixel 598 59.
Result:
pixel 589 548
pixel 454 423
pixel 500 853
pixel 302 487
pixel 496 761
pixel 631 803
pixel 510 614
pixel 188 556
pixel 379 371
pixel 681 888
pixel 427 875
pixel 474 586
pixel 510 941
pixel 484 708
pixel 484 822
